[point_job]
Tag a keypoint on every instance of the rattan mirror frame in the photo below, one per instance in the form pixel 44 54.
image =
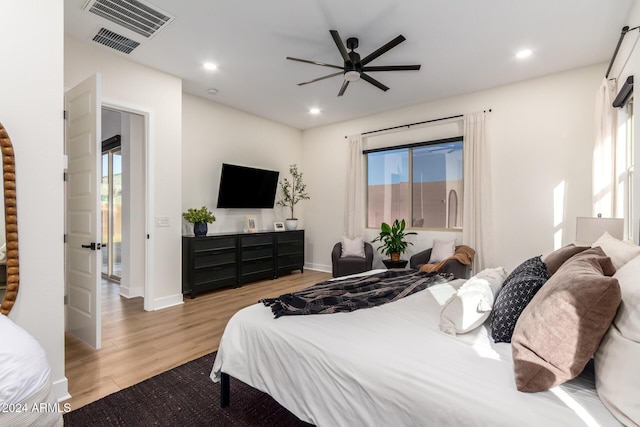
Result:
pixel 11 221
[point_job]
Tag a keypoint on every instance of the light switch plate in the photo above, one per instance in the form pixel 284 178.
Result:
pixel 162 221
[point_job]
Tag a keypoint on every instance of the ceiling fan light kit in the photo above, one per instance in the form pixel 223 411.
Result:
pixel 355 68
pixel 352 76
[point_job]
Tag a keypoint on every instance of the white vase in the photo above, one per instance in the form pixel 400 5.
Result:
pixel 290 224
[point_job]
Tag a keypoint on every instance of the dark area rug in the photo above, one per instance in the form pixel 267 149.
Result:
pixel 183 396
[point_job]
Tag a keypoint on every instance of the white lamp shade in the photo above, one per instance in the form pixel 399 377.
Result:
pixel 588 229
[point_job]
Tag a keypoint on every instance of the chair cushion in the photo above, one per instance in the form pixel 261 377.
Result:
pixel 442 249
pixel 352 247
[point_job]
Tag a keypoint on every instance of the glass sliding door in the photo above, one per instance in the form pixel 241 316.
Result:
pixel 111 195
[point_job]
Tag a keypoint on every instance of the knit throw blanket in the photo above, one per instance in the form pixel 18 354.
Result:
pixel 349 294
pixel 463 254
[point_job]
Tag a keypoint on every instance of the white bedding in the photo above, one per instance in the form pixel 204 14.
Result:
pixel 392 366
pixel 26 397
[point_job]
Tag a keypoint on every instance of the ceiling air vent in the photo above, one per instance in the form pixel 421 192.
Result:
pixel 115 41
pixel 135 15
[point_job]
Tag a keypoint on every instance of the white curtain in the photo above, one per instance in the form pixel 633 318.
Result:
pixel 476 217
pixel 604 152
pixel 354 213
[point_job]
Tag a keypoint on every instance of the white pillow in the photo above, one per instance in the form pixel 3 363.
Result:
pixel 620 252
pixel 495 277
pixel 353 247
pixel 618 376
pixel 471 305
pixel 442 249
pixel 616 360
pixel 627 319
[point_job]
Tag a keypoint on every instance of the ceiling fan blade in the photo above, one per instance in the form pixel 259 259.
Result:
pixel 341 46
pixel 373 81
pixel 320 78
pixel 373 55
pixel 343 88
pixel 392 68
pixel 315 62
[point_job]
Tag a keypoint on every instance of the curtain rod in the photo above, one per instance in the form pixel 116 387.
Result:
pixel 417 123
pixel 623 33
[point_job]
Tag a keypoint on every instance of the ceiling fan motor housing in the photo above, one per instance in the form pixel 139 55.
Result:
pixel 354 64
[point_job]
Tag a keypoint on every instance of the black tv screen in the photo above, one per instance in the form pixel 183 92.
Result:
pixel 245 187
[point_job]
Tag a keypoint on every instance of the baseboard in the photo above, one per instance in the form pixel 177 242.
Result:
pixel 61 389
pixel 131 292
pixel 318 267
pixel 170 301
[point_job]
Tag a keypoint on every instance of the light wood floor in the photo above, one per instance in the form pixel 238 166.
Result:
pixel 138 344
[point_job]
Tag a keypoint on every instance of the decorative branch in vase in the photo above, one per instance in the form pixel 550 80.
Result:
pixel 292 192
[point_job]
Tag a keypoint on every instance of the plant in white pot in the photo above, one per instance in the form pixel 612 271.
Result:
pixel 199 218
pixel 292 192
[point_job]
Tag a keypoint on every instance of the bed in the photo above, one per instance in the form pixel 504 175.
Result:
pixel 392 365
pixel 26 396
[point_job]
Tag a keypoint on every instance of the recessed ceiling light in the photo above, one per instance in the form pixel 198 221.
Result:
pixel 314 111
pixel 525 53
pixel 212 91
pixel 210 66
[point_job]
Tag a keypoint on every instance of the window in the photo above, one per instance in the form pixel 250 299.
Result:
pixel 420 181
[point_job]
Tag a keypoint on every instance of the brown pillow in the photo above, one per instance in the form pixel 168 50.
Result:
pixel 558 257
pixel 562 326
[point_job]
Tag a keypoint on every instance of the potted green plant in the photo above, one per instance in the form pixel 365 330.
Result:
pixel 393 239
pixel 199 218
pixel 292 192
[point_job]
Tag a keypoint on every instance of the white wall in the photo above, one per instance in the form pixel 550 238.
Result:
pixel 158 95
pixel 214 134
pixel 31 82
pixel 541 139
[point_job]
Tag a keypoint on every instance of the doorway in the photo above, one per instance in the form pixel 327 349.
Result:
pixel 123 199
pixel 111 208
pixel 88 122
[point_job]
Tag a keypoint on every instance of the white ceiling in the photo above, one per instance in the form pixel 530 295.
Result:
pixel 462 45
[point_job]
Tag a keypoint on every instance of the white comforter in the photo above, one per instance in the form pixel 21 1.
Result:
pixel 26 396
pixel 392 366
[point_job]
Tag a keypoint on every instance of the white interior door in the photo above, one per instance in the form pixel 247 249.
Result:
pixel 83 148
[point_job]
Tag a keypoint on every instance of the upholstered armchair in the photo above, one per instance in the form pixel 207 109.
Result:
pixel 451 265
pixel 342 266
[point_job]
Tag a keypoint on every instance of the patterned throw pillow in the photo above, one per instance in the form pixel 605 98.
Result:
pixel 517 291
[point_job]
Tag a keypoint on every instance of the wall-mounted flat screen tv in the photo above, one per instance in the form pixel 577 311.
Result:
pixel 245 187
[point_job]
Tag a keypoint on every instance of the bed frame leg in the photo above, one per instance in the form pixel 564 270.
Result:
pixel 224 390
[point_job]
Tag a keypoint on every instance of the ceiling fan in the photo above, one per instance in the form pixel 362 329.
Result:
pixel 355 68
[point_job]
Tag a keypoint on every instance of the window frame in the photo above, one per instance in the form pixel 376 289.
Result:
pixel 410 147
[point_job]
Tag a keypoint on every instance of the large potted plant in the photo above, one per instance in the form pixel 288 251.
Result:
pixel 292 192
pixel 393 239
pixel 199 218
